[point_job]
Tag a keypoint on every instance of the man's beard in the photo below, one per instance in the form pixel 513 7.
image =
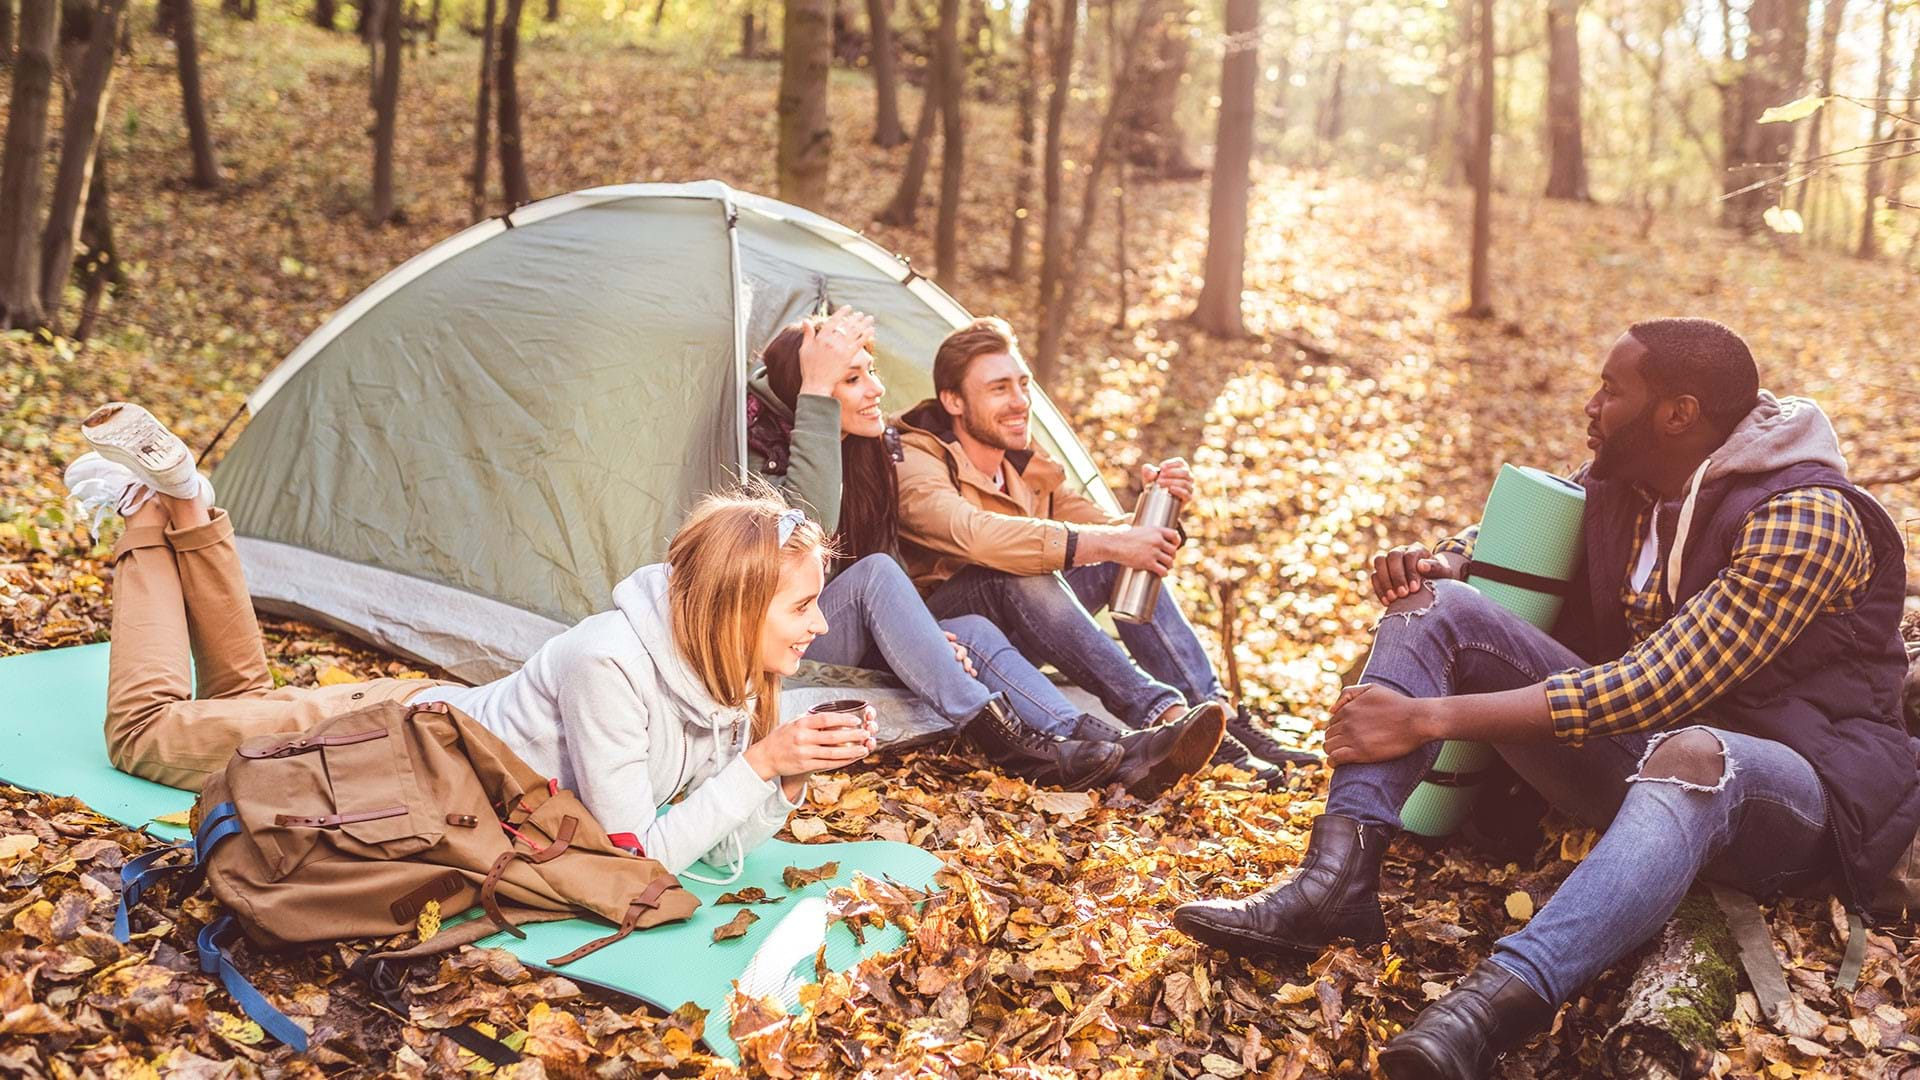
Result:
pixel 1625 448
pixel 990 434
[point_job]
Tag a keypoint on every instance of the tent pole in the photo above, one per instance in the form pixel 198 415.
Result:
pixel 207 450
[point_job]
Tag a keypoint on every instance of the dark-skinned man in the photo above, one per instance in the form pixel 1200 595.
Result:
pixel 1720 696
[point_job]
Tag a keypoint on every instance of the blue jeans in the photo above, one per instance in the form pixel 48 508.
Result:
pixel 1760 826
pixel 1047 616
pixel 876 619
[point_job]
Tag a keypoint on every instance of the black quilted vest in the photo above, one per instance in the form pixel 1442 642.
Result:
pixel 1833 694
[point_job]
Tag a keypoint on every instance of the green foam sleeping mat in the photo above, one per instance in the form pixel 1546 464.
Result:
pixel 51 740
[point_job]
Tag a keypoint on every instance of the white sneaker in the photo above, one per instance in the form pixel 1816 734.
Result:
pixel 98 487
pixel 129 435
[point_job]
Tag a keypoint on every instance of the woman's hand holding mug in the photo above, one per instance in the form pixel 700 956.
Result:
pixel 832 735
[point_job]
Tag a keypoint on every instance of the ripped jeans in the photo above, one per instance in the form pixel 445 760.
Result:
pixel 1717 804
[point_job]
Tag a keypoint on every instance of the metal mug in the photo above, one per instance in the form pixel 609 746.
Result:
pixel 840 705
pixel 1135 592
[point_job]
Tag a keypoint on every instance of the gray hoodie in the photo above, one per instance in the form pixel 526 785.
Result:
pixel 613 711
pixel 1777 433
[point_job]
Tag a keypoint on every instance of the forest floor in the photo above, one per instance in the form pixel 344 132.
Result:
pixel 1363 413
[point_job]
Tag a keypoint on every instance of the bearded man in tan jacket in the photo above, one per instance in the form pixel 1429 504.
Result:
pixel 989 526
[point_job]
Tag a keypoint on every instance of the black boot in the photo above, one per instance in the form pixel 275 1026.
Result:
pixel 1161 756
pixel 1458 1037
pixel 1333 894
pixel 1018 750
pixel 1234 752
pixel 1244 727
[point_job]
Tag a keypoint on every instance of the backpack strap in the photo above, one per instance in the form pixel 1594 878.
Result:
pixel 568 826
pixel 143 872
pixel 214 961
pixel 386 975
pixel 648 899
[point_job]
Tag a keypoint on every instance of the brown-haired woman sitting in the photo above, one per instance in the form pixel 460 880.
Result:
pixel 816 430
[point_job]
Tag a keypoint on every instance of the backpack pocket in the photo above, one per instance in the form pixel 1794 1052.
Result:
pixel 350 784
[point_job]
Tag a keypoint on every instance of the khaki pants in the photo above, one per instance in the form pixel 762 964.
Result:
pixel 179 595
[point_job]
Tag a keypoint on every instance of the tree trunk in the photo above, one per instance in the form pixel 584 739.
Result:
pixel 1218 310
pixel 904 208
pixel 1832 14
pixel 20 166
pixel 1046 362
pixel 1566 150
pixel 887 132
pixel 100 267
pixel 1771 75
pixel 6 32
pixel 483 119
pixel 1029 128
pixel 1054 237
pixel 324 14
pixel 1876 168
pixel 1150 133
pixel 433 23
pixel 193 102
pixel 235 8
pixel 946 242
pixel 1480 284
pixel 513 156
pixel 1466 93
pixel 1333 111
pixel 386 112
pixel 749 35
pixel 553 11
pixel 1119 179
pixel 806 142
pixel 1682 991
pixel 86 114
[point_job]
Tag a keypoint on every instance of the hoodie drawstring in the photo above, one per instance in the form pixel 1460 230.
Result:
pixel 1680 533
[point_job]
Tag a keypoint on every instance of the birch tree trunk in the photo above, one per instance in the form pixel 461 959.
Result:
pixel 806 142
pixel 20 166
pixel 904 209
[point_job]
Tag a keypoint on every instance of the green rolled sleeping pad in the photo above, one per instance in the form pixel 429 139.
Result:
pixel 1529 548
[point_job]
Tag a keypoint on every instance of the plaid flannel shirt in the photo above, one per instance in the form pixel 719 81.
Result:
pixel 1800 554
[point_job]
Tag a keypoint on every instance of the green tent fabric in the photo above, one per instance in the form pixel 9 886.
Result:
pixel 51 740
pixel 469 455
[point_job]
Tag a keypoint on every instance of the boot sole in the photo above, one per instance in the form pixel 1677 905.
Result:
pixel 1189 755
pixel 1242 945
pixel 1410 1063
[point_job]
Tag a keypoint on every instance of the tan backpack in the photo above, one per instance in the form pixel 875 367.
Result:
pixel 357 826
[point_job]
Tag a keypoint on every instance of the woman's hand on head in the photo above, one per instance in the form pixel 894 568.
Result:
pixel 831 349
pixel 815 742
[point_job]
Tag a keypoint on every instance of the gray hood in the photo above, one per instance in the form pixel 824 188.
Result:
pixel 642 598
pixel 1778 432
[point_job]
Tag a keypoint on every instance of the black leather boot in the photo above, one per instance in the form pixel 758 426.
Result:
pixel 1234 752
pixel 1458 1037
pixel 1161 756
pixel 1018 750
pixel 1333 894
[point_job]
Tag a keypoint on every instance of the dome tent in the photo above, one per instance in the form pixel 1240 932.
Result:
pixel 469 455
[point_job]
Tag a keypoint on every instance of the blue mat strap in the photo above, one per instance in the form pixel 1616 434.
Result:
pixel 214 961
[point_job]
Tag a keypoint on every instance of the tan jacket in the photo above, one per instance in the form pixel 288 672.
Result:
pixel 952 516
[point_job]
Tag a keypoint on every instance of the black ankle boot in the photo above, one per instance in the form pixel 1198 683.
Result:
pixel 1018 750
pixel 1161 756
pixel 1333 894
pixel 1458 1037
pixel 1235 753
pixel 1252 736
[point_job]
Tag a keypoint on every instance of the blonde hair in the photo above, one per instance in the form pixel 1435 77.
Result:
pixel 725 565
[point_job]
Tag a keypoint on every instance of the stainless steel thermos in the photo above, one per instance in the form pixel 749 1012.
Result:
pixel 1136 591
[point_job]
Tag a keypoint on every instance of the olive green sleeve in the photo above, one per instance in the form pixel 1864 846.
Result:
pixel 812 482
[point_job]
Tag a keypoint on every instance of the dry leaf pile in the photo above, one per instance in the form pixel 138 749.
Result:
pixel 1364 414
